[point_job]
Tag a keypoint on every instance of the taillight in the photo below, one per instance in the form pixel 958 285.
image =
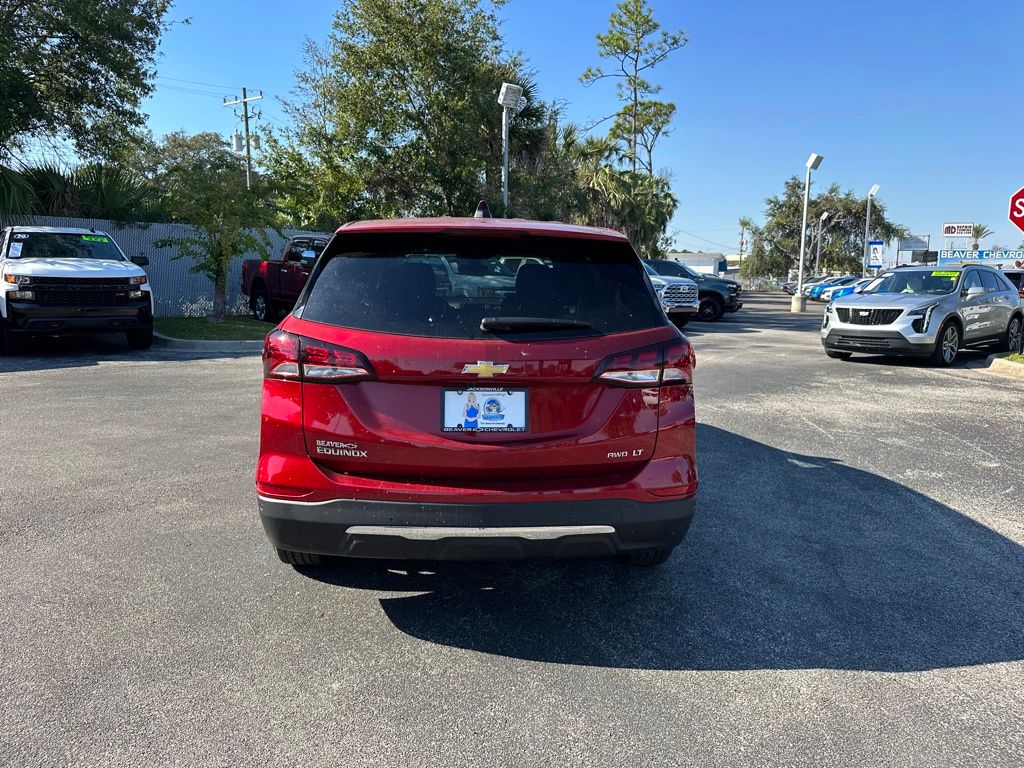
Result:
pixel 662 366
pixel 287 356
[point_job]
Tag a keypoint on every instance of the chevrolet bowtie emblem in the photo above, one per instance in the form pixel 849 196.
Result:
pixel 485 369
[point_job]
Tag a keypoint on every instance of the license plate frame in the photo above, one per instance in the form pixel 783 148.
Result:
pixel 511 417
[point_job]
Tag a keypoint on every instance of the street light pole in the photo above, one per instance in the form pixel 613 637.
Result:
pixel 817 253
pixel 510 98
pixel 799 302
pixel 867 230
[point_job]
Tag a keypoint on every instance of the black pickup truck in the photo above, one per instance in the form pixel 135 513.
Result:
pixel 718 295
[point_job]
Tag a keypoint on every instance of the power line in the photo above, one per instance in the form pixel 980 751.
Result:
pixel 698 237
pixel 197 82
pixel 192 91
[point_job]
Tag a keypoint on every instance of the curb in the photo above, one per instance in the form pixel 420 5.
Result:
pixel 208 345
pixel 1005 367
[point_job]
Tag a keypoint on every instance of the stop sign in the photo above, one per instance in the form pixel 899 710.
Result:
pixel 1017 208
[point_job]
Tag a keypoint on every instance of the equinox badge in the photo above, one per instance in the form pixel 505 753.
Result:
pixel 485 369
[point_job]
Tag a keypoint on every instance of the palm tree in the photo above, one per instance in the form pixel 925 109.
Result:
pixel 978 233
pixel 745 224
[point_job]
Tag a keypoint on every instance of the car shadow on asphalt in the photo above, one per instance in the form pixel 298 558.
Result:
pixel 61 352
pixel 793 562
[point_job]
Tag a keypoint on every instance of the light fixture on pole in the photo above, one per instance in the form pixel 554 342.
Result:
pixel 511 99
pixel 799 302
pixel 817 252
pixel 867 230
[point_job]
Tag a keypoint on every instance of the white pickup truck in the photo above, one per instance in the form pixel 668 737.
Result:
pixel 56 281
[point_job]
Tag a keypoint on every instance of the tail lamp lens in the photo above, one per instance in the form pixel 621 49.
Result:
pixel 288 356
pixel 662 366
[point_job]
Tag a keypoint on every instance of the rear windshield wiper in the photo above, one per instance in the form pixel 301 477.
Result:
pixel 499 324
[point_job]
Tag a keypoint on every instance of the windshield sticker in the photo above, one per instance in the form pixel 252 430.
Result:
pixel 95 239
pixel 14 251
pixel 945 274
pixel 21 235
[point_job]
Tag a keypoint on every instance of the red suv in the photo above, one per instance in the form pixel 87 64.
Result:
pixel 547 411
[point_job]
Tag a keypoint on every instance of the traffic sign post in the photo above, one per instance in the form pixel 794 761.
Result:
pixel 1017 209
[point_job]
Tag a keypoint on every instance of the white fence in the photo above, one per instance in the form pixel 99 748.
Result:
pixel 177 291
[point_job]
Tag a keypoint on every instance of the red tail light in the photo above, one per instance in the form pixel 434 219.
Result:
pixel 665 365
pixel 287 356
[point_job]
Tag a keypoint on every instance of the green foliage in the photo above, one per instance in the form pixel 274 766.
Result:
pixel 76 68
pixel 776 245
pixel 396 115
pixel 636 43
pixel 92 190
pixel 978 233
pixel 198 180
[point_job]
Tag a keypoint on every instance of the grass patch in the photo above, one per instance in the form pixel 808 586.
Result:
pixel 232 329
pixel 1014 357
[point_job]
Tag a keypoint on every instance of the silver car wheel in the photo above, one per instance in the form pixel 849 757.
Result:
pixel 950 344
pixel 1014 335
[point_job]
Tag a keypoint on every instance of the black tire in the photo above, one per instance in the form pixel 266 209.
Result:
pixel 261 306
pixel 13 344
pixel 837 355
pixel 947 345
pixel 648 558
pixel 710 309
pixel 140 339
pixel 1012 340
pixel 297 558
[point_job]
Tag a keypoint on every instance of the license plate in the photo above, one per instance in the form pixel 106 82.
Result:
pixel 483 409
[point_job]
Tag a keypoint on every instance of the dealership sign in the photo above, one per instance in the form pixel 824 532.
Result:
pixel 1008 257
pixel 957 229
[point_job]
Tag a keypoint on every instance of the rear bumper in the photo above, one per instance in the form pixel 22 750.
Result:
pixel 27 317
pixel 437 531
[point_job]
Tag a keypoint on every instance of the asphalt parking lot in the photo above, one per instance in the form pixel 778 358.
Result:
pixel 851 591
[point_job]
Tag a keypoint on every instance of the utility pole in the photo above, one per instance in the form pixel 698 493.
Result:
pixel 867 231
pixel 244 101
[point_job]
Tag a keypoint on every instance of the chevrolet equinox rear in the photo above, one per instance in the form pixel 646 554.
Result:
pixel 547 413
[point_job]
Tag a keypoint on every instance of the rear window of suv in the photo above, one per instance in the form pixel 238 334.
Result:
pixel 443 285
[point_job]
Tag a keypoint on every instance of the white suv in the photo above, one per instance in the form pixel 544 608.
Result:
pixel 58 280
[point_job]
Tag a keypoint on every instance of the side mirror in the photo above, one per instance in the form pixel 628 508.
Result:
pixel 974 290
pixel 140 261
pixel 308 258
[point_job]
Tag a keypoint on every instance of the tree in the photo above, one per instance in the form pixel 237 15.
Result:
pixel 76 69
pixel 199 181
pixel 776 245
pixel 633 42
pixel 978 233
pixel 397 114
pixel 745 226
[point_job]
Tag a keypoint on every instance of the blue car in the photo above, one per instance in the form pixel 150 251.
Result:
pixel 816 290
pixel 845 290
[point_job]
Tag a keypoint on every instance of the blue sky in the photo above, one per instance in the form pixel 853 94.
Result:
pixel 922 99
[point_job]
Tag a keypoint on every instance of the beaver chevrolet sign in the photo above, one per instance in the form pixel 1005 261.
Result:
pixel 995 258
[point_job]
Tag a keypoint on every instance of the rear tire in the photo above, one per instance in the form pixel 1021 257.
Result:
pixel 837 355
pixel 141 339
pixel 298 558
pixel 261 307
pixel 710 309
pixel 1012 340
pixel 947 345
pixel 648 558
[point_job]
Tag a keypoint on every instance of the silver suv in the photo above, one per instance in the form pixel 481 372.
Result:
pixel 679 296
pixel 928 312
